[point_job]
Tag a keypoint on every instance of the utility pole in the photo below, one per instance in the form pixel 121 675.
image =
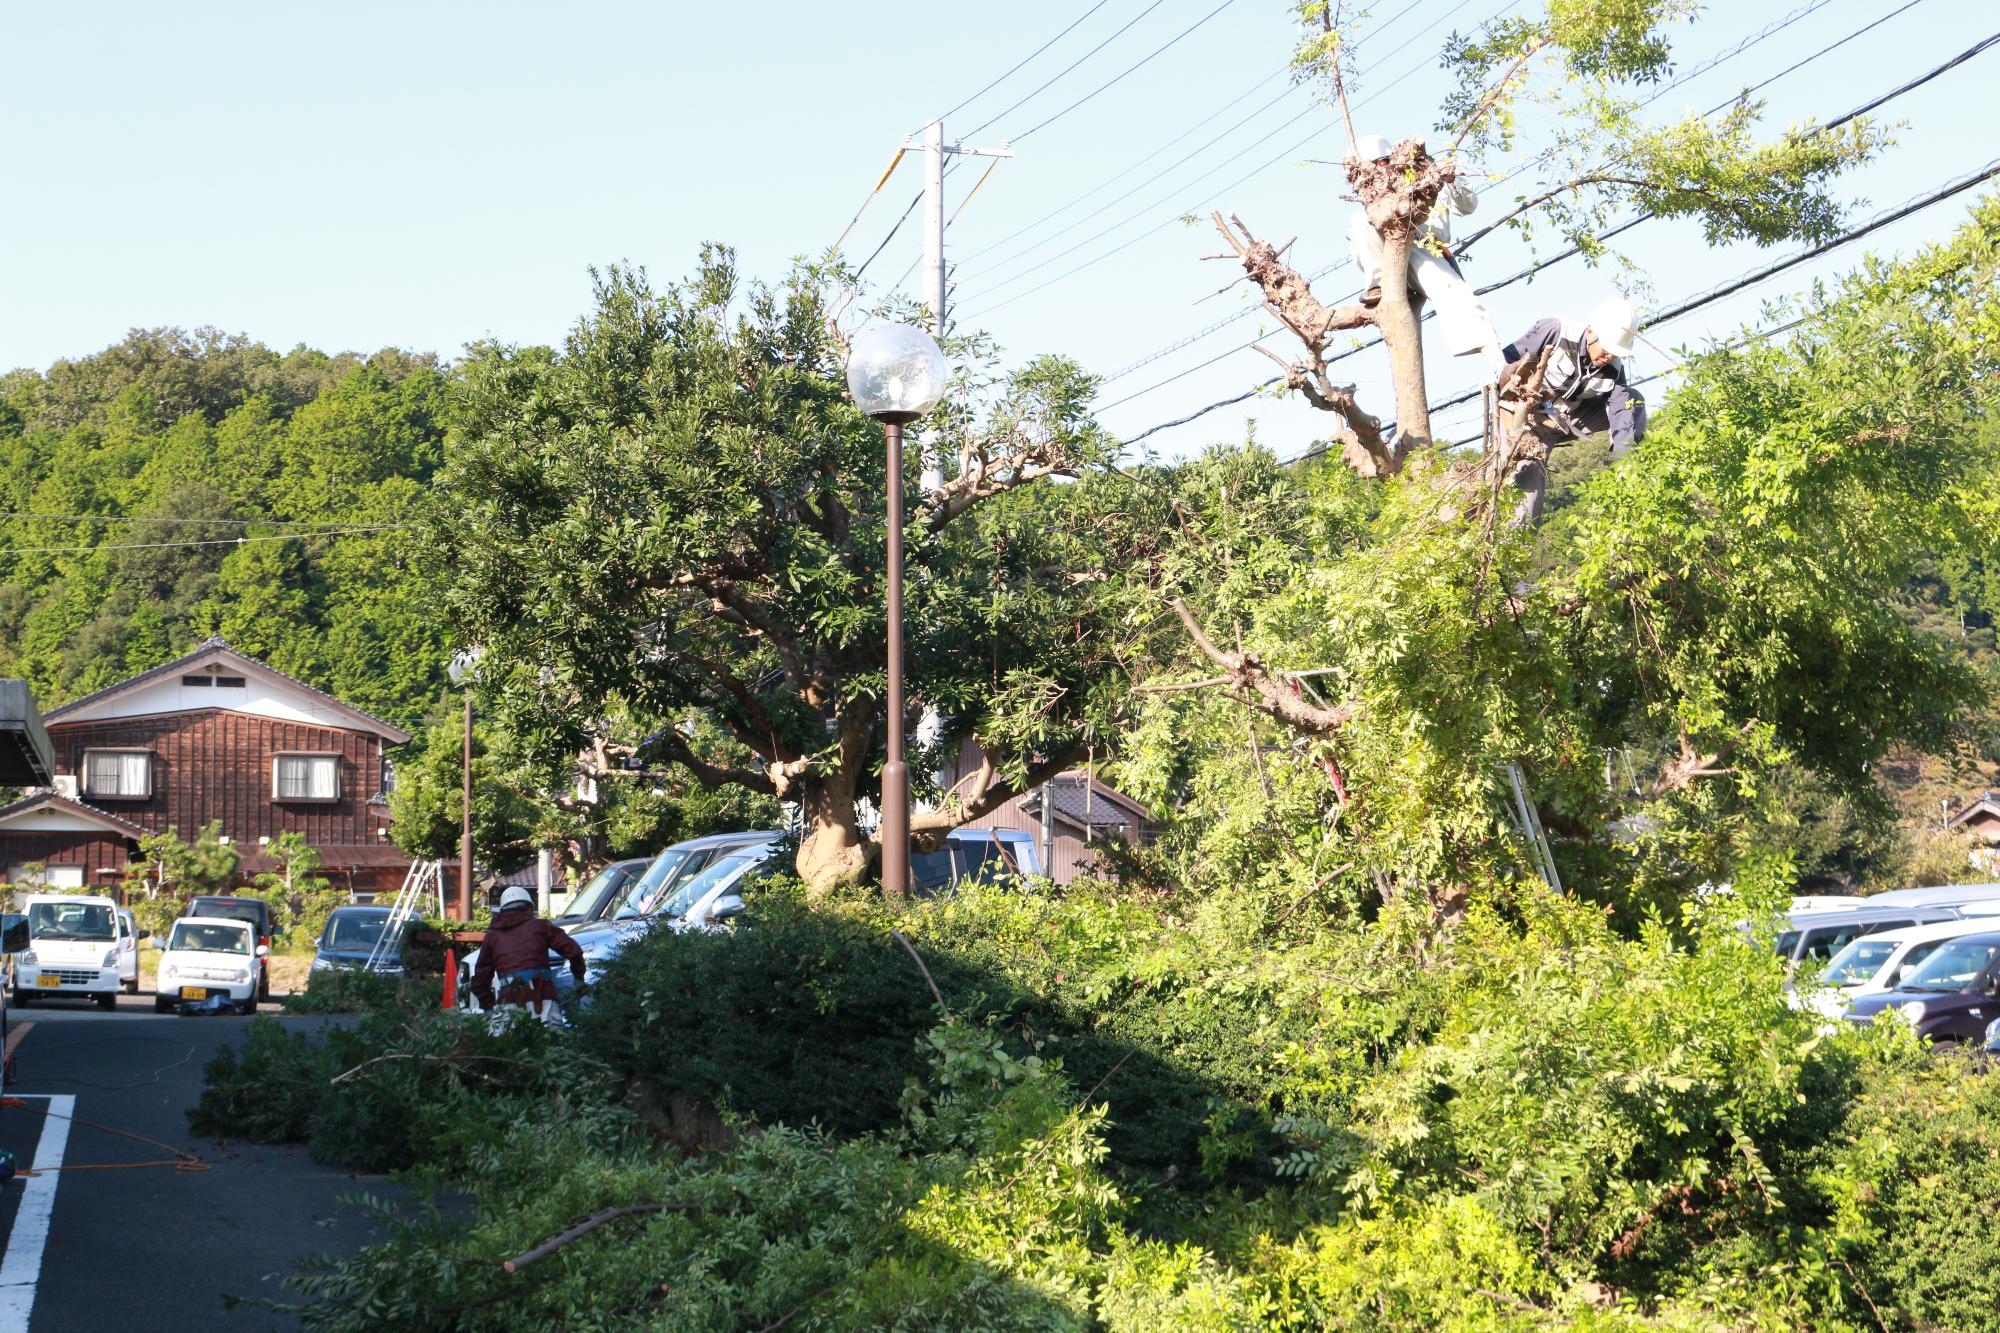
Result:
pixel 935 151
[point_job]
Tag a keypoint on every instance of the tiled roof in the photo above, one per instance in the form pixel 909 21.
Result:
pixel 1070 801
pixel 36 800
pixel 212 647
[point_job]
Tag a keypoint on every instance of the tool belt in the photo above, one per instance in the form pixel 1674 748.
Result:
pixel 528 987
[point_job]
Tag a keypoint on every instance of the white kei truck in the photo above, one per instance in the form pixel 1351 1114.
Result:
pixel 76 946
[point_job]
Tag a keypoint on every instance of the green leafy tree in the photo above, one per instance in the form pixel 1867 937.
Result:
pixel 1723 610
pixel 300 899
pixel 681 512
pixel 171 870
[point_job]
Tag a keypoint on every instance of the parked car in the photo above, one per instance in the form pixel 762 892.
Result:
pixel 1951 997
pixel 1813 938
pixel 1879 962
pixel 1993 1037
pixel 74 948
pixel 210 959
pixel 256 911
pixel 128 951
pixel 13 939
pixel 349 940
pixel 1942 895
pixel 971 854
pixel 672 868
pixel 600 895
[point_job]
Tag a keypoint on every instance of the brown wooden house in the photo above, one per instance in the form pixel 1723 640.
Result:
pixel 213 736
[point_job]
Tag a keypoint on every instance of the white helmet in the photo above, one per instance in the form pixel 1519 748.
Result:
pixel 1616 324
pixel 516 897
pixel 1371 148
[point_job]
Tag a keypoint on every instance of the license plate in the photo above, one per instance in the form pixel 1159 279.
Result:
pixel 194 992
pixel 48 983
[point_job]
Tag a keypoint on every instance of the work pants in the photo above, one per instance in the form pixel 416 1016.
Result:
pixel 1621 412
pixel 1468 329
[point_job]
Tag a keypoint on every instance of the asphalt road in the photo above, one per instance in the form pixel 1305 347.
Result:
pixel 149 1247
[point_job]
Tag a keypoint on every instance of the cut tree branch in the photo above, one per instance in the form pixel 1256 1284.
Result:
pixel 1261 688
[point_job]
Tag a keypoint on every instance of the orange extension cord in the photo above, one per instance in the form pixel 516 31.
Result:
pixel 182 1159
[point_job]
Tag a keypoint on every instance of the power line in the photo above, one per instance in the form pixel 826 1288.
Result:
pixel 1753 277
pixel 1186 185
pixel 208 522
pixel 219 541
pixel 1220 324
pixel 1566 253
pixel 1134 240
pixel 1183 137
pixel 1030 56
pixel 1072 65
pixel 1134 69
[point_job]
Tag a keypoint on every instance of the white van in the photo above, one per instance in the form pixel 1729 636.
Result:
pixel 76 946
pixel 1879 962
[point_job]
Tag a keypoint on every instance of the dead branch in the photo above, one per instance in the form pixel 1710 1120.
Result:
pixel 585 1227
pixel 917 958
pixel 1260 688
pixel 1690 764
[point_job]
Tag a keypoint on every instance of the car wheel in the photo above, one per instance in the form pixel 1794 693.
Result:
pixel 108 1000
pixel 161 1004
pixel 21 998
pixel 130 987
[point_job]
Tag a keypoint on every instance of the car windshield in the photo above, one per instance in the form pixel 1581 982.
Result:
pixel 71 921
pixel 239 910
pixel 638 896
pixel 1954 967
pixel 353 932
pixel 1858 962
pixel 591 900
pixel 697 888
pixel 209 937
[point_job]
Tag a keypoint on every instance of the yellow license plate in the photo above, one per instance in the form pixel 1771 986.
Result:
pixel 194 992
pixel 48 983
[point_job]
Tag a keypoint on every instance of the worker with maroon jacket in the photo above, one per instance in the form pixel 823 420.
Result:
pixel 517 949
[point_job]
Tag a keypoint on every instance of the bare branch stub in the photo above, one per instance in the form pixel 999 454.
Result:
pixel 1289 297
pixel 1267 692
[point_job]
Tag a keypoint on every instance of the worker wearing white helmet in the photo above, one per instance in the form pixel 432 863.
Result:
pixel 1434 272
pixel 517 951
pixel 1583 385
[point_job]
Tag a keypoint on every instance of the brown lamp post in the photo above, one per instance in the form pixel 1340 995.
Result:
pixel 464 666
pixel 896 374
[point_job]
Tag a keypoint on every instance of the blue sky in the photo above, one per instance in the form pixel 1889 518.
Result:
pixel 422 175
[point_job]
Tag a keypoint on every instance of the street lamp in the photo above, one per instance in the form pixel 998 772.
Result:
pixel 464 667
pixel 896 374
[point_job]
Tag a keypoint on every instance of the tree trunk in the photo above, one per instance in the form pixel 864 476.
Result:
pixel 1402 335
pixel 833 852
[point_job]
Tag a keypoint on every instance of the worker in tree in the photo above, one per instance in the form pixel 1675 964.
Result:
pixel 1583 388
pixel 517 949
pixel 1434 272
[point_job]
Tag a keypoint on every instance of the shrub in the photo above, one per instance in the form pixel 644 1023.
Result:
pixel 1916 1180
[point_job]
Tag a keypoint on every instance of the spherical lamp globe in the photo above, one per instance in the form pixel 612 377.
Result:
pixel 896 373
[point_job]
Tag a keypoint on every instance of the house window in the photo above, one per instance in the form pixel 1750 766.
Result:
pixel 35 875
pixel 118 775
pixel 196 682
pixel 305 777
pixel 229 682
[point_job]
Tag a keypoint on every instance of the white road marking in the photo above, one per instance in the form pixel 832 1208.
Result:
pixel 21 1268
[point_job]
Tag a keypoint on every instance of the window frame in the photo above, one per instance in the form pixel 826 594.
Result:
pixel 90 793
pixel 278 759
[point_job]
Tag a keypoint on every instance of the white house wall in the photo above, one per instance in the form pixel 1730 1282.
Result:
pixel 260 698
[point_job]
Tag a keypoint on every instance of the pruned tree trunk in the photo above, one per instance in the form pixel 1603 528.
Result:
pixel 1402 336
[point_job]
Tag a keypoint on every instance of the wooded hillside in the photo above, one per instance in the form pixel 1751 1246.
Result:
pixel 296 470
